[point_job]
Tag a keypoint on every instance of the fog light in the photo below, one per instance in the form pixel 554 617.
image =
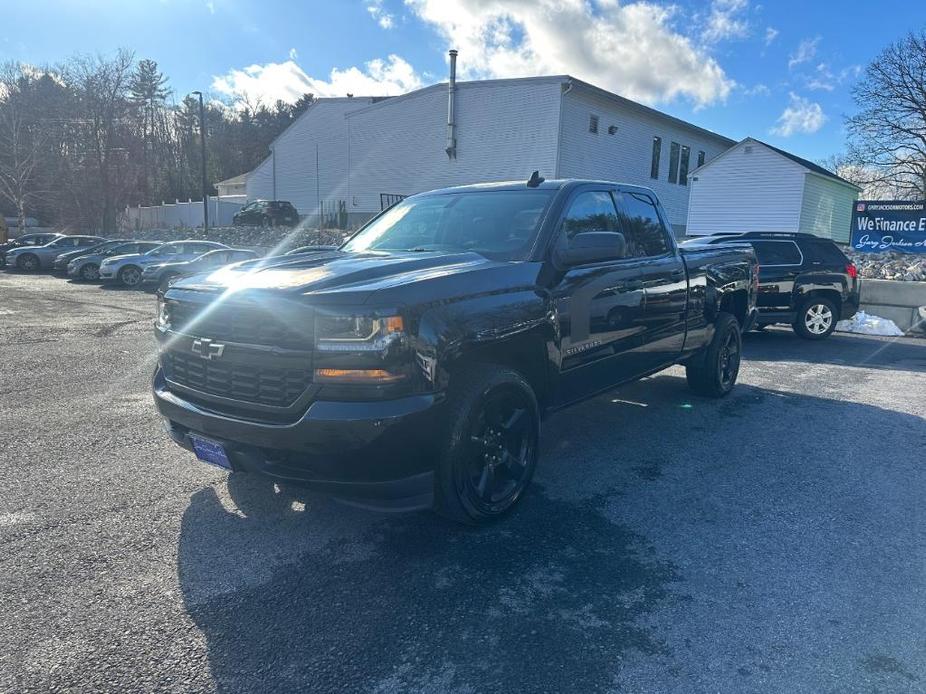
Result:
pixel 356 376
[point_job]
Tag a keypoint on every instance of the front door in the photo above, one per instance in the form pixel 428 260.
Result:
pixel 600 307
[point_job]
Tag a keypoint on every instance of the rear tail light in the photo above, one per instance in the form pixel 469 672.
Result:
pixel 851 270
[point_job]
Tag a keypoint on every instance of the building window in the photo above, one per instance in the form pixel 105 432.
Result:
pixel 700 158
pixel 683 166
pixel 657 150
pixel 674 149
pixel 593 124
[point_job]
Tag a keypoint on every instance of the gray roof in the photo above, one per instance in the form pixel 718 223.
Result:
pixel 806 163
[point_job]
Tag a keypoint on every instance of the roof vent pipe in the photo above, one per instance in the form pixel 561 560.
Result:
pixel 451 111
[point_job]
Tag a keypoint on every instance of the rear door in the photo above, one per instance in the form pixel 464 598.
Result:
pixel 600 306
pixel 662 272
pixel 779 265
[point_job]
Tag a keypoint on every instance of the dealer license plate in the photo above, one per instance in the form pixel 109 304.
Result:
pixel 211 452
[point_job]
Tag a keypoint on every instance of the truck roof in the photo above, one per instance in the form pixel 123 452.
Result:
pixel 550 184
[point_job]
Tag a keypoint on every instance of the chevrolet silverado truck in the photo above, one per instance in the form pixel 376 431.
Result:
pixel 411 367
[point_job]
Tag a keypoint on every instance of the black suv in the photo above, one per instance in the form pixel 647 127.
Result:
pixel 267 213
pixel 804 280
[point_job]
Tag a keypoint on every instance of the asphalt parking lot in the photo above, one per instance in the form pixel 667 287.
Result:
pixel 773 541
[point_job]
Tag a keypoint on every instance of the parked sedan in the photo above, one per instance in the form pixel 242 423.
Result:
pixel 34 239
pixel 162 273
pixel 127 269
pixel 61 262
pixel 87 267
pixel 32 258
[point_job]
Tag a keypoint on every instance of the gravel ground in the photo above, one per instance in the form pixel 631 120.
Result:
pixel 771 542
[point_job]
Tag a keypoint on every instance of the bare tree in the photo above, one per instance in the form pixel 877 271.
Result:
pixel 887 137
pixel 106 125
pixel 21 140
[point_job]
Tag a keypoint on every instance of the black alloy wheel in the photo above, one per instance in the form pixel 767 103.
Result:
pixel 714 372
pixel 28 262
pixel 493 448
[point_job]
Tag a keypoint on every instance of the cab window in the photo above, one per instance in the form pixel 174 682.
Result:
pixel 590 211
pixel 643 229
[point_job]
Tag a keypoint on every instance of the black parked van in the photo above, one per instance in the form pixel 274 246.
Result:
pixel 804 280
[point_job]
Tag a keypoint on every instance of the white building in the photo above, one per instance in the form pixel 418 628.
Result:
pixel 756 187
pixel 365 151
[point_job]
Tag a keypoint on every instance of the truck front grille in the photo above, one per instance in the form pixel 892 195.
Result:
pixel 251 382
pixel 287 327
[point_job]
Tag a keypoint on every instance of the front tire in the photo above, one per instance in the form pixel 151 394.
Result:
pixel 714 373
pixel 28 262
pixel 90 272
pixel 816 319
pixel 130 276
pixel 492 447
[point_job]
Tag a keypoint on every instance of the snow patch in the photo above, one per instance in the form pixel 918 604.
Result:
pixel 865 324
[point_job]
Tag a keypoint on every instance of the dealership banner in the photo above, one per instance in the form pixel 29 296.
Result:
pixel 889 225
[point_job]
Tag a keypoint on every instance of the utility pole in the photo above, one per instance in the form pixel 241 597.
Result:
pixel 202 142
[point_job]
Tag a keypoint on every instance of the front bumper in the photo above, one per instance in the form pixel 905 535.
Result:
pixel 108 273
pixel 379 454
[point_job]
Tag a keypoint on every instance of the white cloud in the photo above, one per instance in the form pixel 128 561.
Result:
pixel 293 54
pixel 801 116
pixel 726 21
pixel 757 90
pixel 771 33
pixel 806 51
pixel 287 81
pixel 382 17
pixel 822 79
pixel 630 48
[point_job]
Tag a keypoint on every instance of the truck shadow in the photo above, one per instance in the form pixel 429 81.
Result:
pixel 296 592
pixel 779 344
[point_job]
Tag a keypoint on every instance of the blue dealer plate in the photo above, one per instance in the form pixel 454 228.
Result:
pixel 210 452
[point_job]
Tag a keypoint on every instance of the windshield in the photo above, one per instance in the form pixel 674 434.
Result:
pixel 500 224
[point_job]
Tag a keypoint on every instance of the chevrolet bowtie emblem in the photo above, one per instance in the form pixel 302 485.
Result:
pixel 207 349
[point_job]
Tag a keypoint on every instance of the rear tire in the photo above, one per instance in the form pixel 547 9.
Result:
pixel 714 373
pixel 90 272
pixel 28 262
pixel 816 319
pixel 130 276
pixel 492 445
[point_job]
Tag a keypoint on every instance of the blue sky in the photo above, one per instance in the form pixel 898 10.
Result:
pixel 777 70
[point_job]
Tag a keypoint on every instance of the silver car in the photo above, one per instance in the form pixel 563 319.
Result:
pixel 32 258
pixel 87 267
pixel 127 269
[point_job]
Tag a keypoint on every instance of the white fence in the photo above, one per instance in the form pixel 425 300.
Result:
pixel 183 214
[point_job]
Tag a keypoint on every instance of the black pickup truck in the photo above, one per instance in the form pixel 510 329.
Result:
pixel 411 367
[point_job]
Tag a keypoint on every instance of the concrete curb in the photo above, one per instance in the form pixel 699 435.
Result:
pixel 902 302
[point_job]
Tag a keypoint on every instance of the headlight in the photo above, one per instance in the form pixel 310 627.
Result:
pixel 342 333
pixel 163 319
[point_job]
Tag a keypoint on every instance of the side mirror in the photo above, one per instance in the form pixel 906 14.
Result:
pixel 592 247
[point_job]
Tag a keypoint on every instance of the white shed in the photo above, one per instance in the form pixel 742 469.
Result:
pixel 756 187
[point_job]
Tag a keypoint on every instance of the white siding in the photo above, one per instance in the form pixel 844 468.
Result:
pixel 505 130
pixel 827 208
pixel 626 155
pixel 260 181
pixel 756 191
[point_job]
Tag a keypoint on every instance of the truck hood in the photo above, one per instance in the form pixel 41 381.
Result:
pixel 334 272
